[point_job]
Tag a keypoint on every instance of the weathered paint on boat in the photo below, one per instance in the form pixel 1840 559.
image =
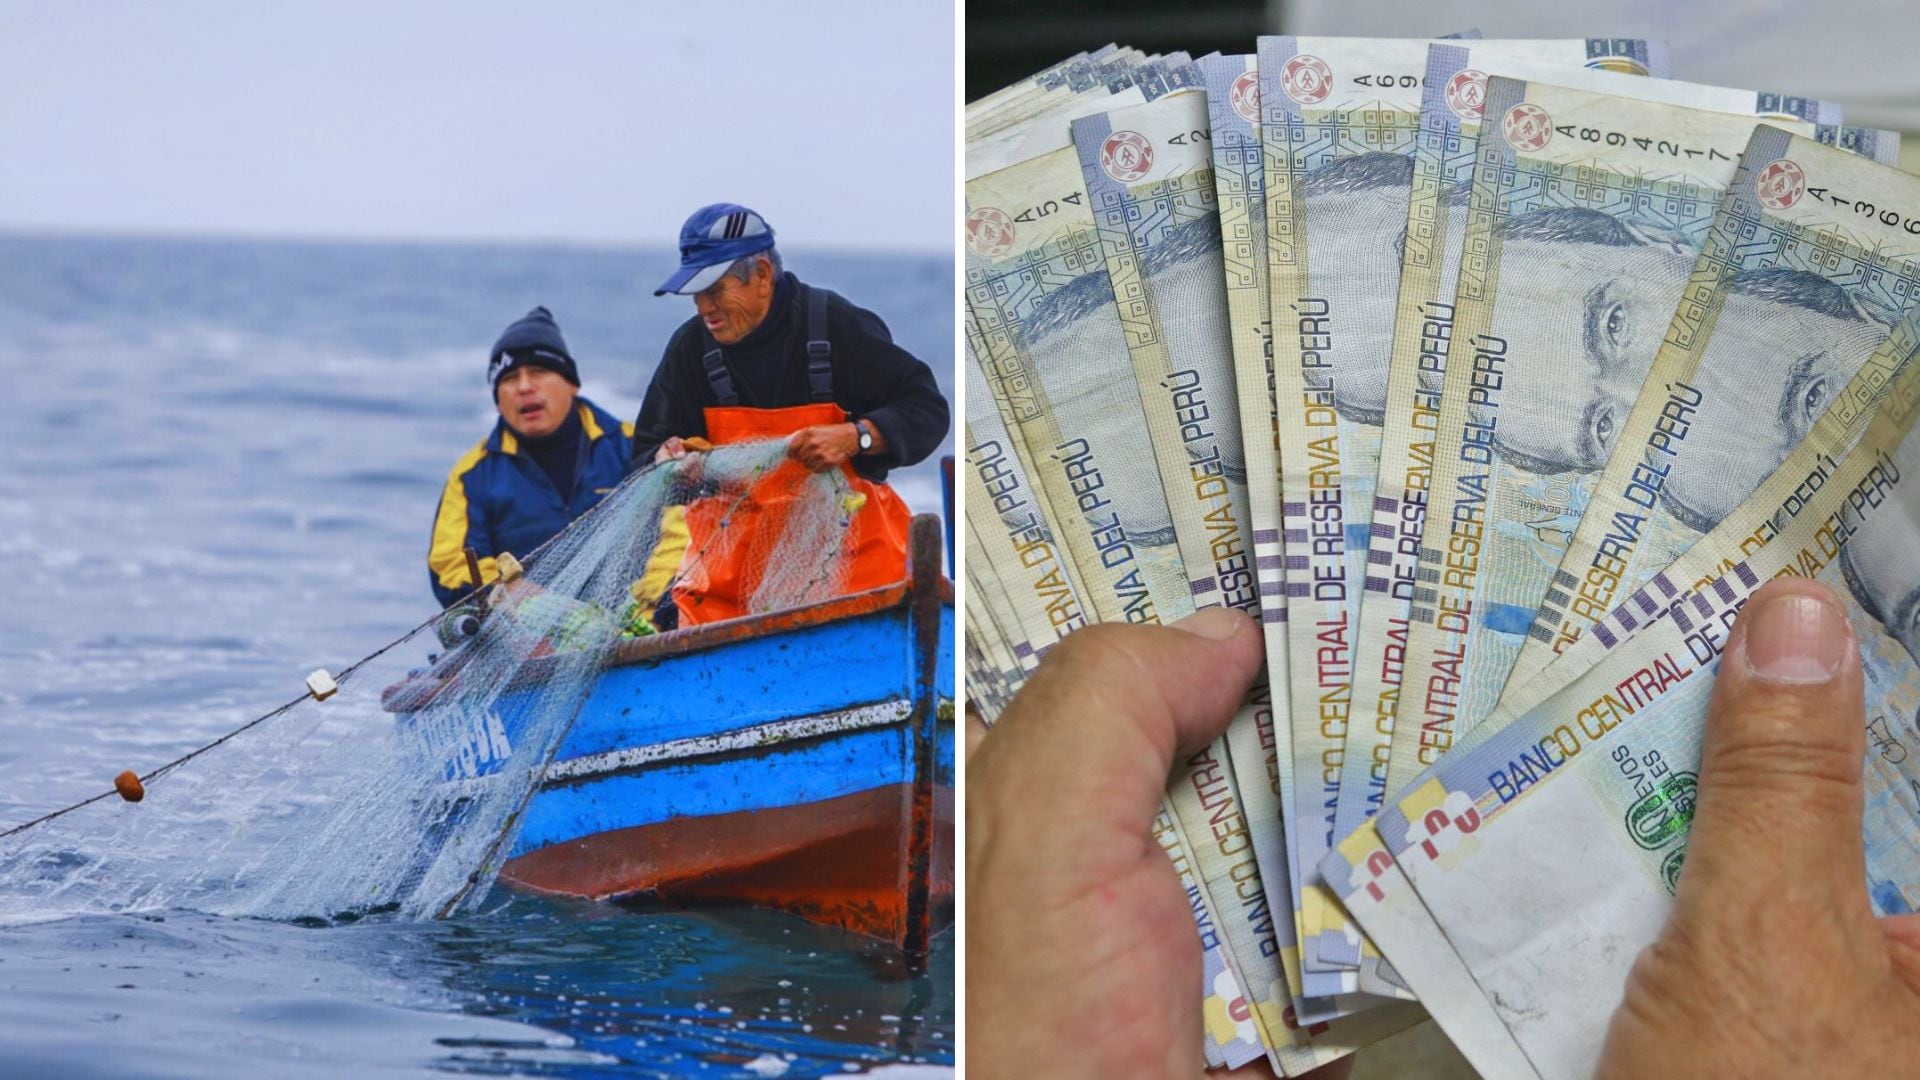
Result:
pixel 802 760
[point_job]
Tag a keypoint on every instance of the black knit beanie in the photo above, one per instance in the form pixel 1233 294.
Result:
pixel 532 340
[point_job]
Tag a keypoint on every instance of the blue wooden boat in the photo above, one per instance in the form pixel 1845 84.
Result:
pixel 801 760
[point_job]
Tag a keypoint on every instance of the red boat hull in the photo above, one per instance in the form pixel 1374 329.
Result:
pixel 836 862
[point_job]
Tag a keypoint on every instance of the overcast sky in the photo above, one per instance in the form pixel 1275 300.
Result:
pixel 599 122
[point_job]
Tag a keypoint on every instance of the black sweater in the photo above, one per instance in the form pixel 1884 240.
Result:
pixel 558 453
pixel 873 379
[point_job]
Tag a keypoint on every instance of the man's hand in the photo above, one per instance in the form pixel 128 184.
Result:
pixel 1772 963
pixel 824 446
pixel 673 449
pixel 1082 955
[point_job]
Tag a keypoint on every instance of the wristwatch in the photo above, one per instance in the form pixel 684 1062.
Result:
pixel 866 435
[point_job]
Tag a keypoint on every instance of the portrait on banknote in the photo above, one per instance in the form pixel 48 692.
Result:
pixel 1358 206
pixel 1786 340
pixel 1597 290
pixel 1063 328
pixel 1881 569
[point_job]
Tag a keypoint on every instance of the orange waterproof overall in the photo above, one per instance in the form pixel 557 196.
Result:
pixel 736 537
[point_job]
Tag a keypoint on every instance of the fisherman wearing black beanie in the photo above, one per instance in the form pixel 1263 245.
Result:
pixel 551 457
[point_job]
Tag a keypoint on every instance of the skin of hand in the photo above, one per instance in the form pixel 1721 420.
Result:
pixel 1772 962
pixel 1082 958
pixel 509 595
pixel 824 446
pixel 674 447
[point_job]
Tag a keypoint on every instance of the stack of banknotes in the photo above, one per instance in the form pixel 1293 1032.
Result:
pixel 1491 377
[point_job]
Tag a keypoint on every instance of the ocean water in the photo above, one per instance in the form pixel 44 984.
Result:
pixel 224 460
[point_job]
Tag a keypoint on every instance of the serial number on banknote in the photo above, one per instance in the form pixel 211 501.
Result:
pixel 1891 218
pixel 1051 206
pixel 1388 82
pixel 1646 143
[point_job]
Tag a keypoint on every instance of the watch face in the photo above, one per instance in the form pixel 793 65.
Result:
pixel 866 439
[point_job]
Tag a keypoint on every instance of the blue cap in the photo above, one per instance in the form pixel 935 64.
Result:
pixel 710 241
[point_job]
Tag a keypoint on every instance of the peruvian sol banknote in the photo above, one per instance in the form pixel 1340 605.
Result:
pixel 1370 882
pixel 1044 131
pixel 980 111
pixel 1339 166
pixel 1232 1037
pixel 1419 322
pixel 1007 523
pixel 1233 115
pixel 1149 177
pixel 1016 541
pixel 1325 105
pixel 1451 112
pixel 984 665
pixel 1039 292
pixel 1550 852
pixel 1350 113
pixel 1811 261
pixel 1108 71
pixel 1148 172
pixel 1012 540
pixel 1586 218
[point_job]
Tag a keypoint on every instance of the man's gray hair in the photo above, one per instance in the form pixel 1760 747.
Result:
pixel 742 268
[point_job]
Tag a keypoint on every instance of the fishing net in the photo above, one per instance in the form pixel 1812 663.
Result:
pixel 401 791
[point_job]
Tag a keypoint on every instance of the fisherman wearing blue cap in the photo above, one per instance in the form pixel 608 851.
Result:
pixel 769 356
pixel 550 458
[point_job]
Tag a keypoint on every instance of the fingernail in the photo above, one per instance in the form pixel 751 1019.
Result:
pixel 1797 639
pixel 1216 623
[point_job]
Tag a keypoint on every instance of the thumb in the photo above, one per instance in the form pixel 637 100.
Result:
pixel 1780 790
pixel 1093 735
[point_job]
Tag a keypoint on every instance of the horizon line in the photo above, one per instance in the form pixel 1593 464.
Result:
pixel 421 239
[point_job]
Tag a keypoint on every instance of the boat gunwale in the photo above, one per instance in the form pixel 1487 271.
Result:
pixel 697 638
pixel 833 609
pixel 693 639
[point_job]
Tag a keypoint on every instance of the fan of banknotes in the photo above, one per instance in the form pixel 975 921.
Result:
pixel 1491 377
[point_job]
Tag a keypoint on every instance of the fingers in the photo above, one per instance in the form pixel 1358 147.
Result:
pixel 1904 931
pixel 1780 791
pixel 809 447
pixel 1093 735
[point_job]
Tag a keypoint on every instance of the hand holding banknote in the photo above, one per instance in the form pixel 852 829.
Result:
pixel 1772 963
pixel 1080 944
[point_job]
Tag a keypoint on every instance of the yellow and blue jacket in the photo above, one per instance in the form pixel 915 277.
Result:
pixel 497 499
